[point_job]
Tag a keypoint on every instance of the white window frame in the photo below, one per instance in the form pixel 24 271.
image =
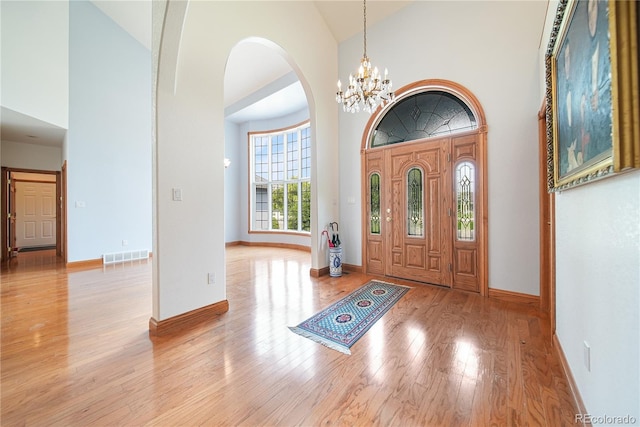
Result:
pixel 285 182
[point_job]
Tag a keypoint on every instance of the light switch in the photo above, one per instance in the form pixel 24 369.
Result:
pixel 177 195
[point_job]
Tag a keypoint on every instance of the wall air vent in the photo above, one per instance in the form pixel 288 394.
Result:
pixel 116 257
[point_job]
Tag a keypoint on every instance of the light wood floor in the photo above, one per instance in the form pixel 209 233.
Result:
pixel 76 352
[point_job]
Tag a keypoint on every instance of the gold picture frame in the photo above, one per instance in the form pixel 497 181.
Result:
pixel 592 92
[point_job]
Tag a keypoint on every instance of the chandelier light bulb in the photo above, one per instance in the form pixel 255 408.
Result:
pixel 367 89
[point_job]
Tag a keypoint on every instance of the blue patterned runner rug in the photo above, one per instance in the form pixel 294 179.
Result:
pixel 341 324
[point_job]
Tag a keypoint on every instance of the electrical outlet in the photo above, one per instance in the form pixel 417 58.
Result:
pixel 587 356
pixel 211 278
pixel 125 242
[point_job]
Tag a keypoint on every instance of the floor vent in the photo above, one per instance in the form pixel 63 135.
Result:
pixel 115 257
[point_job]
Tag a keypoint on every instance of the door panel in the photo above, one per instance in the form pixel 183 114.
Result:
pixel 425 255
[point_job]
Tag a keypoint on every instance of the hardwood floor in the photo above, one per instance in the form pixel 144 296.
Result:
pixel 76 352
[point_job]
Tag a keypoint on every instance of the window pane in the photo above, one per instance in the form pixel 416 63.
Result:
pixel 414 203
pixel 277 158
pixel 306 152
pixel 277 207
pixel 261 160
pixel 292 206
pixel 375 203
pixel 465 190
pixel 292 155
pixel 261 214
pixel 306 205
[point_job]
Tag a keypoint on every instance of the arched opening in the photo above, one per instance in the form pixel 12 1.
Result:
pixel 434 228
pixel 267 144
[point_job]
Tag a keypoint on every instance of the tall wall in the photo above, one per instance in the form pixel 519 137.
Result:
pixel 597 284
pixel 109 145
pixel 35 59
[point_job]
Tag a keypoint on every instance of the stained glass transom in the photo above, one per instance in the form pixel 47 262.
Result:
pixel 424 115
pixel 375 203
pixel 465 192
pixel 415 203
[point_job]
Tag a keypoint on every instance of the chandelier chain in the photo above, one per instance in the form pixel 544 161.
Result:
pixel 364 7
pixel 367 88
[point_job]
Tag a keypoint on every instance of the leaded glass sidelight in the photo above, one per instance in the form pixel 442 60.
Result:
pixel 415 203
pixel 374 203
pixel 465 191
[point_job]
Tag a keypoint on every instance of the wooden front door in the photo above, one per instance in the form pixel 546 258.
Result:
pixel 420 226
pixel 419 231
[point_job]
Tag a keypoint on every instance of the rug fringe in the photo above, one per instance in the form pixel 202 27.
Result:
pixel 332 345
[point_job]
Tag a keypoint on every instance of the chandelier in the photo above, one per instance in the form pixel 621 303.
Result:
pixel 366 89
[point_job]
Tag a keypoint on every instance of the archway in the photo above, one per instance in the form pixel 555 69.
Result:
pixel 270 107
pixel 189 148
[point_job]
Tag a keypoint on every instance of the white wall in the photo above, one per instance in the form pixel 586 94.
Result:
pixel 35 59
pixel 31 156
pixel 598 285
pixel 598 290
pixel 234 192
pixel 108 144
pixel 491 49
pixel 190 134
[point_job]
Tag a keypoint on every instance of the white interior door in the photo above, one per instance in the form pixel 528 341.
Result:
pixel 35 214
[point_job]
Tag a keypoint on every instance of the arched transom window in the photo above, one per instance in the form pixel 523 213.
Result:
pixel 423 115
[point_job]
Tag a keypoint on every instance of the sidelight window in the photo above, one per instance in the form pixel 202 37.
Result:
pixel 465 193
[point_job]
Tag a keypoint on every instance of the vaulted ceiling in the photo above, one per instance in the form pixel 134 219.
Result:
pixel 343 18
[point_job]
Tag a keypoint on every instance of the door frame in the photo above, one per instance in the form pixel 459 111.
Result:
pixel 7 229
pixel 482 218
pixel 61 237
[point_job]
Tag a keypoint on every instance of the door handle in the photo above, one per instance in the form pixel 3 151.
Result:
pixel 388 219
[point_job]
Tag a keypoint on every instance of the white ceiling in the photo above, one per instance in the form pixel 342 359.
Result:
pixel 18 127
pixel 135 18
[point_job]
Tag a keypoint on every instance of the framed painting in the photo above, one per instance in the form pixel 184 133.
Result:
pixel 593 112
